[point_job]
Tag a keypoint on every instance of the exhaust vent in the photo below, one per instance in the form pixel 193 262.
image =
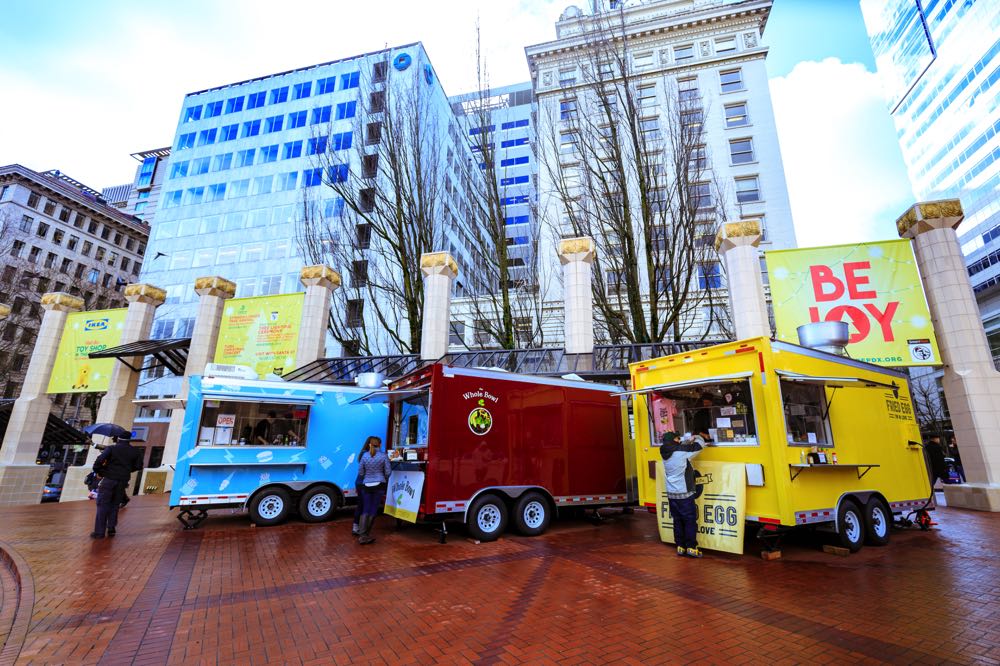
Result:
pixel 828 336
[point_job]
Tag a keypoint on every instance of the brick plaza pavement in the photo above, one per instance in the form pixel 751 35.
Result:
pixel 581 594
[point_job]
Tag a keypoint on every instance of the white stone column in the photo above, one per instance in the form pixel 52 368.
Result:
pixel 577 257
pixel 116 405
pixel 320 283
pixel 213 293
pixel 439 269
pixel 20 478
pixel 971 383
pixel 736 243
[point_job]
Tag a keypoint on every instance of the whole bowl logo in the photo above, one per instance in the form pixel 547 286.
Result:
pixel 480 421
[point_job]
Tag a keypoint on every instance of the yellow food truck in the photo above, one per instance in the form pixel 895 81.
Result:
pixel 826 440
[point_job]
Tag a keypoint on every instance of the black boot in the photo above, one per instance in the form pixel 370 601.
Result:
pixel 365 529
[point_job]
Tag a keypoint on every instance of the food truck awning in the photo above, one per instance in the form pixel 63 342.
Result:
pixel 701 381
pixel 171 354
pixel 159 403
pixel 835 382
pixel 261 398
pixel 385 395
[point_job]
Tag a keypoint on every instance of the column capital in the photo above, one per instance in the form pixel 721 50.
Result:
pixel 214 286
pixel 320 275
pixel 4 311
pixel 145 293
pixel 737 234
pixel 929 215
pixel 576 249
pixel 61 302
pixel 438 263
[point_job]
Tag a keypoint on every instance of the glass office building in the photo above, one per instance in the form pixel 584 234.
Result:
pixel 940 65
pixel 244 160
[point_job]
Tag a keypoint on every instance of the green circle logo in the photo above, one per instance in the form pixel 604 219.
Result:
pixel 480 421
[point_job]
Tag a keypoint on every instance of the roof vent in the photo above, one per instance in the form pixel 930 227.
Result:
pixel 230 371
pixel 828 336
pixel 372 380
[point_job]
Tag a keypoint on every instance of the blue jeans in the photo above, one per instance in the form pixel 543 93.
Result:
pixel 371 499
pixel 684 513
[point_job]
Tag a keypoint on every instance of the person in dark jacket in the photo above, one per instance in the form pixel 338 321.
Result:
pixel 115 466
pixel 679 482
pixel 374 469
pixel 935 460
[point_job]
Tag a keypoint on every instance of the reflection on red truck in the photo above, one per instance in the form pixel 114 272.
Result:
pixel 489 446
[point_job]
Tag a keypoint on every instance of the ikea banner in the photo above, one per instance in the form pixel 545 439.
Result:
pixel 86 332
pixel 721 501
pixel 874 287
pixel 261 332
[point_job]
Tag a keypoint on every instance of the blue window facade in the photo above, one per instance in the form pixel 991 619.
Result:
pixel 302 90
pixel 185 141
pixel 268 154
pixel 213 109
pixel 245 158
pixel 346 110
pixel 316 145
pixel 710 276
pixel 178 169
pixel 321 115
pixel 341 141
pixel 200 165
pixel 216 192
pixel 278 95
pixel 479 130
pixel 516 180
pixel 192 113
pixel 513 161
pixel 312 177
pixel 256 100
pixel 222 162
pixel 145 178
pixel 350 80
pixel 296 119
pixel 517 219
pixel 339 173
pixel 510 143
pixel 234 104
pixel 514 123
pixel 273 124
pixel 206 137
pixel 327 85
pixel 292 150
pixel 229 132
pixel 251 128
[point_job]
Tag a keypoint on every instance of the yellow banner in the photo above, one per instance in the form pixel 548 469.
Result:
pixel 402 498
pixel 721 503
pixel 86 332
pixel 874 287
pixel 261 332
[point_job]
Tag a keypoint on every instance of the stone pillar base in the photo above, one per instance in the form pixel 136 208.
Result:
pixel 978 496
pixel 22 484
pixel 73 487
pixel 156 480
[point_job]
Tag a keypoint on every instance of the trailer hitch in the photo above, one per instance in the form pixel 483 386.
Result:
pixel 191 519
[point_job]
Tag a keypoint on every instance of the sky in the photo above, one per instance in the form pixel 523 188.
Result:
pixel 86 84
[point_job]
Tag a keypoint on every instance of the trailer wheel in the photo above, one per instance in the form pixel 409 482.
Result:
pixel 270 507
pixel 878 522
pixel 850 526
pixel 318 504
pixel 487 519
pixel 532 514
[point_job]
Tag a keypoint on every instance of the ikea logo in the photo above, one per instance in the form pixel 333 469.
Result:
pixel 96 325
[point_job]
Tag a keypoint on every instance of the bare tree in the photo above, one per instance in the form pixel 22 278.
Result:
pixel 630 167
pixel 929 407
pixel 376 214
pixel 503 290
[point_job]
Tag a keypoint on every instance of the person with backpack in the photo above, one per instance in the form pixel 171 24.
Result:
pixel 114 466
pixel 679 483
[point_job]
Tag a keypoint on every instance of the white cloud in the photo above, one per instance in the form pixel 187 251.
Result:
pixel 845 174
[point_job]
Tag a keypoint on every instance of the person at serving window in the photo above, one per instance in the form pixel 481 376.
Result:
pixel 374 470
pixel 679 482
pixel 262 431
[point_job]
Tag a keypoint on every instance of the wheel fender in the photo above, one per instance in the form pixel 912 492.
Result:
pixel 509 493
pixel 859 497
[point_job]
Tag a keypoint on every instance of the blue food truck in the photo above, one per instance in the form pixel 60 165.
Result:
pixel 273 447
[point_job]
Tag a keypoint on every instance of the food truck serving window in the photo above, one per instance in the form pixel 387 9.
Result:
pixel 245 423
pixel 410 420
pixel 806 412
pixel 724 409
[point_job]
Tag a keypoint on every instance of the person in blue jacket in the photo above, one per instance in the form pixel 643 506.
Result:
pixel 680 487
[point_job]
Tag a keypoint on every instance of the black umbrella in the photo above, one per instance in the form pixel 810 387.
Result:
pixel 108 430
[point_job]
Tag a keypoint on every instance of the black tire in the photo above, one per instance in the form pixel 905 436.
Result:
pixel 851 526
pixel 318 504
pixel 270 506
pixel 878 522
pixel 532 514
pixel 487 518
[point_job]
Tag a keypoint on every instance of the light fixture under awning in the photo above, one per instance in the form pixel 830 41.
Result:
pixel 386 396
pixel 835 382
pixel 718 379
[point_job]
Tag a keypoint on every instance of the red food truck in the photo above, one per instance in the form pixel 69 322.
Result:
pixel 488 445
